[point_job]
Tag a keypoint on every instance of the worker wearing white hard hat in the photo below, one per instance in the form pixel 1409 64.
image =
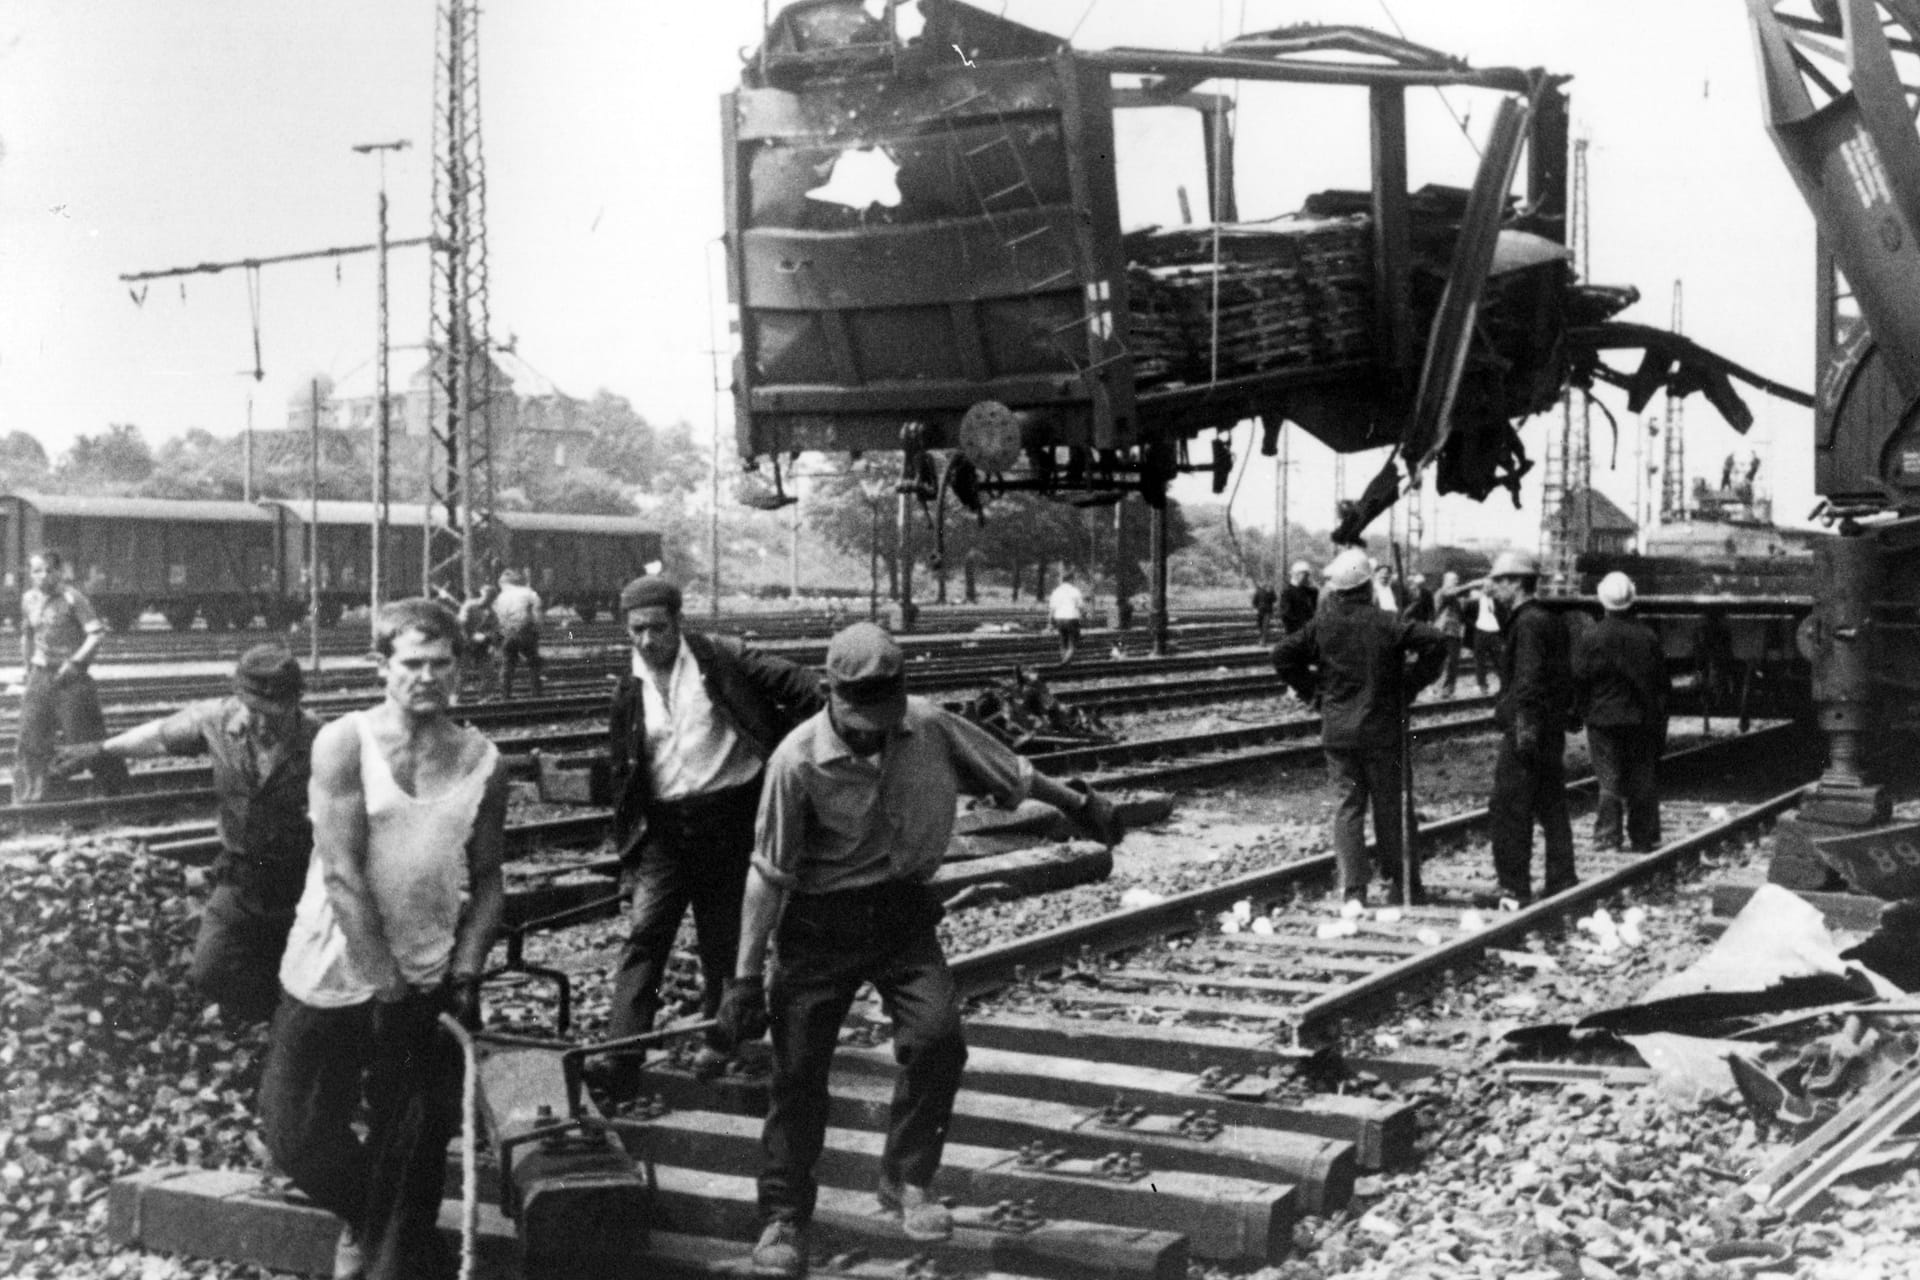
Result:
pixel 1616 592
pixel 1536 703
pixel 1365 665
pixel 1620 684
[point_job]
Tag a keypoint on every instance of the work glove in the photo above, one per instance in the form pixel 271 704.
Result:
pixel 463 999
pixel 1096 816
pixel 743 1013
pixel 78 758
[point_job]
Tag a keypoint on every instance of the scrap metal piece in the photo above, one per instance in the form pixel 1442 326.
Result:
pixel 1796 1181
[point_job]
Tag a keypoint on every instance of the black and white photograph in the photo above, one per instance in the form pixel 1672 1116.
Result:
pixel 932 640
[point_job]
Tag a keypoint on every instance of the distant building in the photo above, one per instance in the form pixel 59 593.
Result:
pixel 533 420
pixel 1595 523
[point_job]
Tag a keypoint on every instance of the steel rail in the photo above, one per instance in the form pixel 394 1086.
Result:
pixel 989 968
pixel 1513 926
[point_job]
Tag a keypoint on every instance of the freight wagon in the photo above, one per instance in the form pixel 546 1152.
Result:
pixel 238 564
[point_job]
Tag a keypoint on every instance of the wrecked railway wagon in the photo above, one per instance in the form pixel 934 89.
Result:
pixel 925 244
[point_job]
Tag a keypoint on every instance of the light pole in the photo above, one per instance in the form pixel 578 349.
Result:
pixel 383 429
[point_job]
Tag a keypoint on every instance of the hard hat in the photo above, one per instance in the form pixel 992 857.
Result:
pixel 1616 591
pixel 1347 570
pixel 1301 566
pixel 1515 564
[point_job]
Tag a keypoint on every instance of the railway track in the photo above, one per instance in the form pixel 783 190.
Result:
pixel 1131 1106
pixel 142 646
pixel 1159 762
pixel 953 658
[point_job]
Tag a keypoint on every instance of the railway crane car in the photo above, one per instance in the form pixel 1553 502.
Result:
pixel 1837 79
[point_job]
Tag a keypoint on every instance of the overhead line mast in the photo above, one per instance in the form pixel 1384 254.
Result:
pixel 463 548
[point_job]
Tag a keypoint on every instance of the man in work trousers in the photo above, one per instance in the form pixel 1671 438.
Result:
pixel 1536 701
pixel 518 610
pixel 402 901
pixel 691 728
pixel 1483 624
pixel 856 816
pixel 1366 666
pixel 1264 600
pixel 260 743
pixel 1620 685
pixel 1450 617
pixel 59 634
pixel 1065 607
pixel 1299 599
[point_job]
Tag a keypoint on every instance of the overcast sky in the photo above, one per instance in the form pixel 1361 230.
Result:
pixel 137 136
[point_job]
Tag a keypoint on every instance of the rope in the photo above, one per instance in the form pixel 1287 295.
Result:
pixel 469 1146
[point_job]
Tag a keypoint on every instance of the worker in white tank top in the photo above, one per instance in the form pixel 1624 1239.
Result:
pixel 402 902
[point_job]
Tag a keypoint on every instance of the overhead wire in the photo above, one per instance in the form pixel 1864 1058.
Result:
pixel 1459 122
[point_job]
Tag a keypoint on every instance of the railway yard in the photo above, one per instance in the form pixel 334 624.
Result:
pixel 942 321
pixel 1184 1059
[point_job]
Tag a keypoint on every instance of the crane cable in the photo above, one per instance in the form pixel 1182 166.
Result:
pixel 1445 101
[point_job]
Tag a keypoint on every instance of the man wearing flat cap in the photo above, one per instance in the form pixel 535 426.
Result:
pixel 691 728
pixel 857 812
pixel 260 743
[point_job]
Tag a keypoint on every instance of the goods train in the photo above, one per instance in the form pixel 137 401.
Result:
pixel 234 563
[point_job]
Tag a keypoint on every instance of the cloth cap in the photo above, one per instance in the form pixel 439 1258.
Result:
pixel 270 673
pixel 650 592
pixel 1515 564
pixel 867 677
pixel 1616 591
pixel 1301 566
pixel 1347 570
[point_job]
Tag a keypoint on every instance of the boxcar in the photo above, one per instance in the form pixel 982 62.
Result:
pixel 579 562
pixel 183 558
pixel 345 542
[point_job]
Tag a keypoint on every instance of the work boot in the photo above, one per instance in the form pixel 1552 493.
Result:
pixel 782 1250
pixel 921 1216
pixel 708 1063
pixel 349 1259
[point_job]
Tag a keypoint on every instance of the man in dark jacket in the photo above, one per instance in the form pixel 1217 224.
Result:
pixel 691 728
pixel 1620 682
pixel 1299 599
pixel 1419 602
pixel 1264 600
pixel 1355 656
pixel 1536 701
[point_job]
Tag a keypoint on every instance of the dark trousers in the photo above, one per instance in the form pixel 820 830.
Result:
pixel 1624 761
pixel 1069 638
pixel 517 647
pixel 1486 656
pixel 236 958
pixel 386 1187
pixel 826 947
pixel 64 710
pixel 696 854
pixel 1363 779
pixel 1526 788
pixel 1451 675
pixel 1264 617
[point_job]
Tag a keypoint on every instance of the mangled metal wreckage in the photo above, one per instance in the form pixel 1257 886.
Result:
pixel 925 246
